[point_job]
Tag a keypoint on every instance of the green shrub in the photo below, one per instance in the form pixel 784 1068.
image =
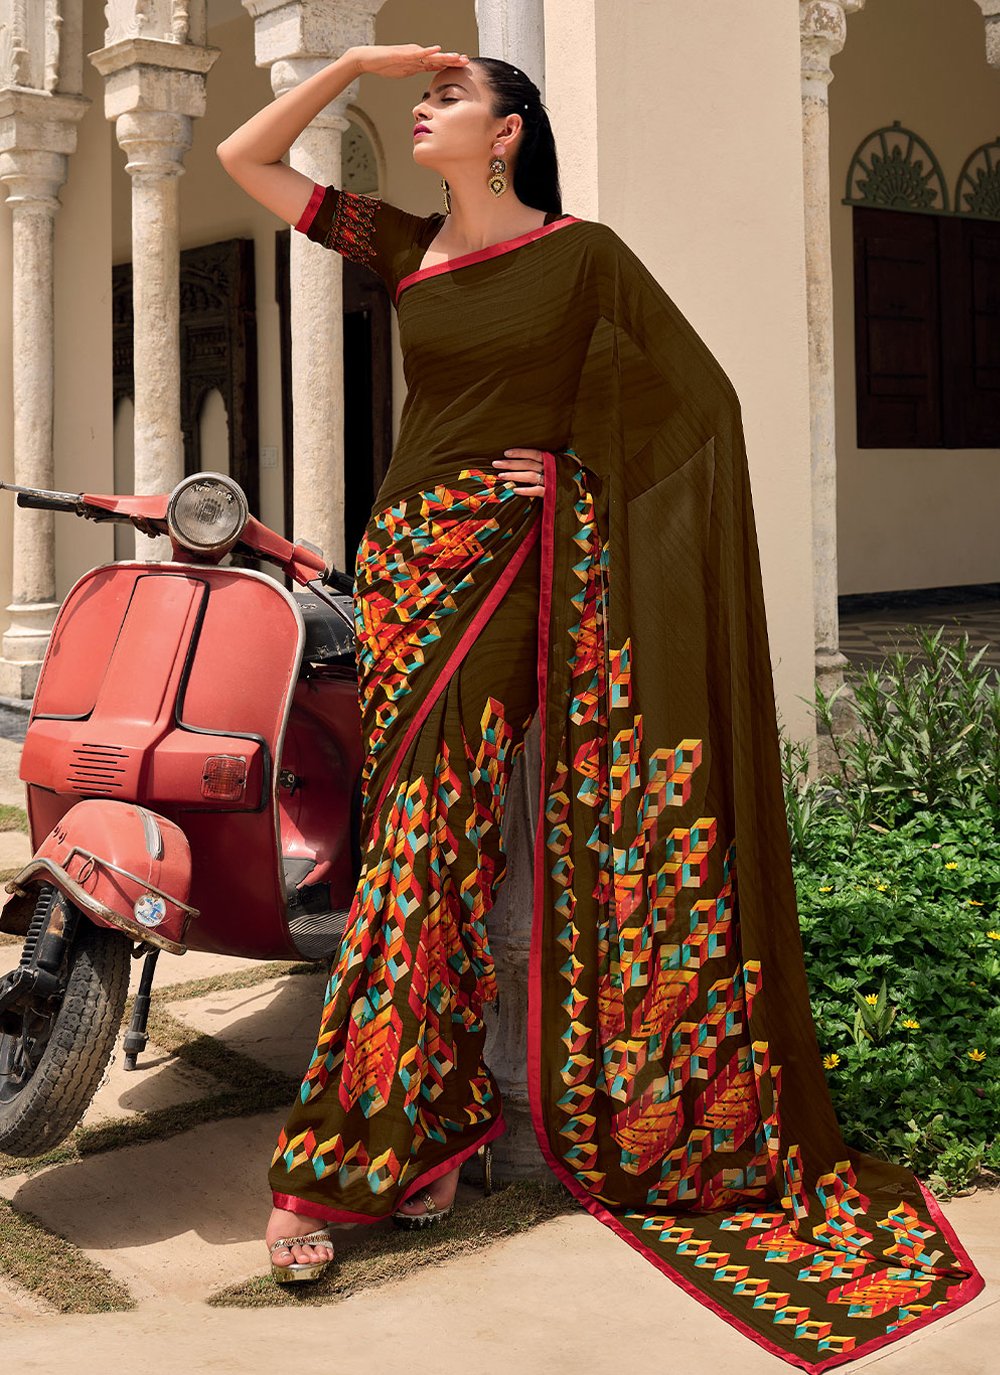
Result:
pixel 897 871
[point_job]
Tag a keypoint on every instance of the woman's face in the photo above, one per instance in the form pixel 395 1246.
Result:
pixel 456 109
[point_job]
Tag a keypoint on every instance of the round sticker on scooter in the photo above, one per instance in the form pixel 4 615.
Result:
pixel 150 910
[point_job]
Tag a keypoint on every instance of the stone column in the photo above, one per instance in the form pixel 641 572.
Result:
pixel 991 15
pixel 514 31
pixel 155 63
pixel 40 105
pixel 823 32
pixel 296 38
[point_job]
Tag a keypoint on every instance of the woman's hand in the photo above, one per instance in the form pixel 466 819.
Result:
pixel 405 59
pixel 524 466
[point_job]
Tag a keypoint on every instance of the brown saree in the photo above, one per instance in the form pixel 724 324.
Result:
pixel 674 1073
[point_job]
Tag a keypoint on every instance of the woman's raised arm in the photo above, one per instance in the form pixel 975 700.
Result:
pixel 252 154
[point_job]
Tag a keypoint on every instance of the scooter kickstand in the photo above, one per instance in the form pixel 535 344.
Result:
pixel 135 1038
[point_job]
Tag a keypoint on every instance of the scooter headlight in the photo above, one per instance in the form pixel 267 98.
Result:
pixel 207 511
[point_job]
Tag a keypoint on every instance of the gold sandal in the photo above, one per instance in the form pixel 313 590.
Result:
pixel 301 1270
pixel 432 1213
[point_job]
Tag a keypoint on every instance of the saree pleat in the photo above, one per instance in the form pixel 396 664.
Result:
pixel 397 1090
pixel 674 1074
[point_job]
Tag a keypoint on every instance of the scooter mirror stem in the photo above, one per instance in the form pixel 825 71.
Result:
pixel 301 564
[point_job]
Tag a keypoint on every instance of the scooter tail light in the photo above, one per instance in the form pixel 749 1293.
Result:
pixel 225 777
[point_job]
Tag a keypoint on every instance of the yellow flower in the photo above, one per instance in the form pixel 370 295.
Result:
pixel 993 935
pixel 831 1061
pixel 951 865
pixel 871 998
pixel 881 887
pixel 911 1023
pixel 974 903
pixel 977 1055
pixel 829 889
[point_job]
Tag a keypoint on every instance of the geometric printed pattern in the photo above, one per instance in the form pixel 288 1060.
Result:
pixel 667 1096
pixel 396 1082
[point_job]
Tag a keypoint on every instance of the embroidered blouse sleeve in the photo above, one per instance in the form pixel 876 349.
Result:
pixel 364 229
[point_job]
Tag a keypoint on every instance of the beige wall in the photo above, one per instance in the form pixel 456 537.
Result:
pixel 711 200
pixel 908 517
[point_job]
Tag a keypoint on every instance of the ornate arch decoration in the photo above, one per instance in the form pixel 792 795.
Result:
pixel 886 171
pixel 977 191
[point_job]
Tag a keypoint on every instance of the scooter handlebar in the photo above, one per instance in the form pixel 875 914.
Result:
pixel 300 561
pixel 42 500
pixel 142 510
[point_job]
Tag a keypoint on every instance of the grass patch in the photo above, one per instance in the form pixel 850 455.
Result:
pixel 13 818
pixel 392 1255
pixel 54 1270
pixel 246 1086
pixel 222 983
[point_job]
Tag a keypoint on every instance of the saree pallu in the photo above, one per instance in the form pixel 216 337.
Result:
pixel 674 1074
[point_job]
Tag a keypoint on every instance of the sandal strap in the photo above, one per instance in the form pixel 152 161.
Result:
pixel 318 1238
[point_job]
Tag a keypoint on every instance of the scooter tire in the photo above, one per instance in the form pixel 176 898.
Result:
pixel 79 1049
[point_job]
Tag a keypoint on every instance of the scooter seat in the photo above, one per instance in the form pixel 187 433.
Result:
pixel 329 633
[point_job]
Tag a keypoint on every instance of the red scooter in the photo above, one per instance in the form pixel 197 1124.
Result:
pixel 193 762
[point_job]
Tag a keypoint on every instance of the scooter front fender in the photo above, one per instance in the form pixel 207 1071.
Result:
pixel 124 866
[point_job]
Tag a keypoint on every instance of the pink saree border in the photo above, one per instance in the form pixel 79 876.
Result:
pixel 302 1206
pixel 479 255
pixel 968 1289
pixel 309 213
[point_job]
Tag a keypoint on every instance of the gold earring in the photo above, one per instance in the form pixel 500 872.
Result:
pixel 447 196
pixel 497 181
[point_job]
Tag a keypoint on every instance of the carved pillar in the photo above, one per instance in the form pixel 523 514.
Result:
pixel 155 63
pixel 296 38
pixel 991 14
pixel 40 104
pixel 823 32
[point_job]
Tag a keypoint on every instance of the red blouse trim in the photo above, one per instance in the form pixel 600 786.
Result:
pixel 481 254
pixel 309 213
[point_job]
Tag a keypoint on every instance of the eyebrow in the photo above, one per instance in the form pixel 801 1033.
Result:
pixel 443 87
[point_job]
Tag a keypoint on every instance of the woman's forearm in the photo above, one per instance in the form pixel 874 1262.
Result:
pixel 267 136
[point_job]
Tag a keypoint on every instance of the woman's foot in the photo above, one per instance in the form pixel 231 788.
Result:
pixel 287 1224
pixel 442 1190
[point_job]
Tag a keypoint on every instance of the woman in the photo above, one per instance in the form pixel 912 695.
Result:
pixel 567 520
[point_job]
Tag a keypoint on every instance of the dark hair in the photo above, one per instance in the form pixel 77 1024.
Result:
pixel 536 166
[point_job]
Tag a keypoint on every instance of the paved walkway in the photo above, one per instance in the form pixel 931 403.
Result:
pixel 565 1298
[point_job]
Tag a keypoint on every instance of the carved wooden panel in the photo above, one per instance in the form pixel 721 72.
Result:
pixel 218 343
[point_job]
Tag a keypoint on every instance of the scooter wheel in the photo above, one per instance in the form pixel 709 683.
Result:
pixel 53 1063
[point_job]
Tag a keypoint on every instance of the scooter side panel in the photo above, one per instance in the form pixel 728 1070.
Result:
pixel 82 640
